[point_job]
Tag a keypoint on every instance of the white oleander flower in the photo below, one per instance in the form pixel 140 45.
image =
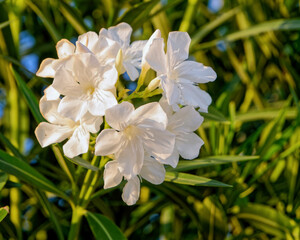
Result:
pixel 103 48
pixel 146 49
pixel 60 128
pixel 153 171
pixel 134 133
pixel 86 85
pixel 131 54
pixel 183 123
pixel 179 77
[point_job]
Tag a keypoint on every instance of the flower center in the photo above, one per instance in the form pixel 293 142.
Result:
pixel 131 132
pixel 90 90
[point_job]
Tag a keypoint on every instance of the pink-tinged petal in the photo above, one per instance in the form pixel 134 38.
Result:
pixel 195 97
pixel 64 48
pixel 89 39
pixel 131 191
pixel 119 114
pixel 187 119
pixel 171 90
pixel 156 34
pixel 112 176
pixel 178 48
pixel 131 70
pixel 120 33
pixel 46 68
pixel 156 56
pixel 195 72
pixel 47 133
pixel 149 115
pixel 131 158
pixel 78 143
pixel 158 143
pixel 172 160
pixel 188 145
pixel 153 171
pixel 72 108
pixel 108 142
pixel 91 123
pixel 101 101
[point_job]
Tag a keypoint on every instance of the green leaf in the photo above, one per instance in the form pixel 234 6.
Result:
pixel 269 221
pixel 103 228
pixel 3 212
pixel 214 115
pixel 273 25
pixel 29 96
pixel 4 24
pixel 186 165
pixel 138 14
pixel 11 147
pixel 83 163
pixel 206 29
pixel 25 172
pixel 189 179
pixel 3 179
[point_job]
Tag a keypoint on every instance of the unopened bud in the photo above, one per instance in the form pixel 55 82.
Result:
pixel 153 84
pixel 119 62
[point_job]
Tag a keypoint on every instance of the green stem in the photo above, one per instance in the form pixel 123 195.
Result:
pixel 77 214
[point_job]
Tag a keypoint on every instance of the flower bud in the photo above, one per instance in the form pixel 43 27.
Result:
pixel 119 62
pixel 153 84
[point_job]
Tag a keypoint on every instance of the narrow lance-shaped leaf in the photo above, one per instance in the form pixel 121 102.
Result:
pixel 3 212
pixel 25 172
pixel 29 96
pixel 189 179
pixel 186 165
pixel 103 228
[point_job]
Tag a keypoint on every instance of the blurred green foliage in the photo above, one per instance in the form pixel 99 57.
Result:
pixel 254 46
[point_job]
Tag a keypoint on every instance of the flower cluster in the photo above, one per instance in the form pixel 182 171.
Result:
pixel 140 141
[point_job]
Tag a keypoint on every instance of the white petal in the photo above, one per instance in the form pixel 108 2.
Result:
pixel 65 83
pixel 171 90
pixel 78 143
pixel 156 56
pixel 156 34
pixel 131 191
pixel 195 97
pixel 64 48
pixel 47 133
pixel 117 115
pixel 149 115
pixel 91 123
pixel 188 145
pixel 195 72
pixel 112 176
pixel 131 70
pixel 72 108
pixel 135 50
pixel 109 78
pixel 80 48
pixel 131 158
pixel 172 160
pixel 89 39
pixel 50 113
pixel 187 119
pixel 178 48
pixel 159 143
pixel 101 101
pixel 51 93
pixel 46 68
pixel 153 171
pixel 166 107
pixel 108 142
pixel 120 33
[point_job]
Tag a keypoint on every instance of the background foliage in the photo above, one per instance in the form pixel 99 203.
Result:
pixel 253 46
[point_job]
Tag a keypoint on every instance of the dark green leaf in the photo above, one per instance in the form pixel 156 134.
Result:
pixel 103 228
pixel 83 163
pixel 3 179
